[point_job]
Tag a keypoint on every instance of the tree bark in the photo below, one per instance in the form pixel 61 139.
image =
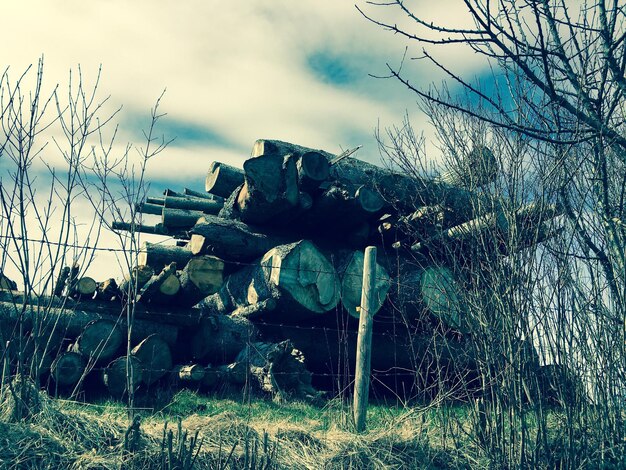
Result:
pixel 134 282
pixel 158 229
pixel 161 288
pixel 156 358
pixel 223 179
pixel 179 219
pixel 108 290
pixel 158 256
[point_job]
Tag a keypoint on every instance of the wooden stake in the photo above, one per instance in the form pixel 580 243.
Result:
pixel 364 340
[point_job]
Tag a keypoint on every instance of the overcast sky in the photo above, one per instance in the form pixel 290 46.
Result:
pixel 235 71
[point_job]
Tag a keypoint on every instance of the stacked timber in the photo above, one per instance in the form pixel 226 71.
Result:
pixel 263 284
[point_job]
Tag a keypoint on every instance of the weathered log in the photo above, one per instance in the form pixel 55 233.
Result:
pixel 222 179
pixel 6 283
pixel 208 206
pixel 297 275
pixel 59 287
pixel 151 209
pixel 157 256
pixel 270 188
pixel 108 290
pixel 161 288
pixel 158 229
pixel 342 209
pixel 313 170
pixel 350 271
pixel 230 239
pixel 201 277
pixel 180 218
pixel 84 287
pixel 99 340
pixel 156 358
pixel 122 374
pixel 171 192
pixel 159 201
pixel 68 368
pixel 258 310
pixel 277 147
pixel 231 205
pixel 71 321
pixel 212 197
pixel 219 338
pixel 132 285
pixel 279 369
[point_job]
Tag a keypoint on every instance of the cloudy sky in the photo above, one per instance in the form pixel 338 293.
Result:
pixel 235 71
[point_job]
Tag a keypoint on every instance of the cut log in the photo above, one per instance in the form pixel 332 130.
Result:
pixel 350 272
pixel 159 201
pixel 223 179
pixel 201 277
pixel 6 283
pixel 208 206
pixel 122 374
pixel 212 197
pixel 67 369
pixel 157 256
pixel 258 310
pixel 171 192
pixel 313 170
pixel 134 282
pixel 99 340
pixel 108 290
pixel 155 358
pixel 193 373
pixel 70 321
pixel 279 369
pixel 180 218
pixel 150 209
pixel 230 239
pixel 429 291
pixel 297 275
pixel 277 147
pixel 158 229
pixel 270 188
pixel 84 287
pixel 219 338
pixel 161 288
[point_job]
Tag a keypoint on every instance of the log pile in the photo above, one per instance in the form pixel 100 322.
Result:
pixel 264 283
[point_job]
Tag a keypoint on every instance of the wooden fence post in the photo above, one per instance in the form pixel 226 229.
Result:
pixel 364 340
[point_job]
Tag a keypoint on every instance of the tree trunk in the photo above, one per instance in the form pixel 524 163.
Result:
pixel 230 239
pixel 67 369
pixel 211 197
pixel 277 147
pixel 123 371
pixel 99 340
pixel 150 209
pixel 158 229
pixel 158 256
pixel 201 277
pixel 156 358
pixel 84 287
pixel 300 278
pixel 313 170
pixel 223 179
pixel 270 188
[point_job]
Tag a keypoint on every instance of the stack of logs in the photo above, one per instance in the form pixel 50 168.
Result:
pixel 267 271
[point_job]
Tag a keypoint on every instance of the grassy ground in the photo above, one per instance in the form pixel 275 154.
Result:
pixel 228 433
